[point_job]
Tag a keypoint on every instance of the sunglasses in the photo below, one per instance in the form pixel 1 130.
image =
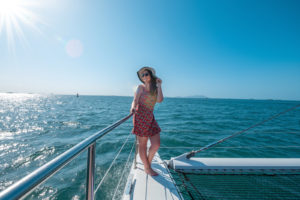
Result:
pixel 146 74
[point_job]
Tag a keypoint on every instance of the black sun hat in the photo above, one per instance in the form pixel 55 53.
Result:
pixel 140 72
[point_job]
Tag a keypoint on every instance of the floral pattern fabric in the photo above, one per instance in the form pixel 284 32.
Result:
pixel 144 123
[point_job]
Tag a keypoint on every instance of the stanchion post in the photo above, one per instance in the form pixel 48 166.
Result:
pixel 90 172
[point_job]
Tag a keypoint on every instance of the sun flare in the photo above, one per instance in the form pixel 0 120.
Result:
pixel 8 7
pixel 15 15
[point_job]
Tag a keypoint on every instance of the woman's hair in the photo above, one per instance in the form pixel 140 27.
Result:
pixel 153 87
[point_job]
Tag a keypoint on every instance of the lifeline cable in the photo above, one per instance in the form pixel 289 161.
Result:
pixel 112 163
pixel 121 177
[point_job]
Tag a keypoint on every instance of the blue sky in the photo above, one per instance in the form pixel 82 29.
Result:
pixel 220 49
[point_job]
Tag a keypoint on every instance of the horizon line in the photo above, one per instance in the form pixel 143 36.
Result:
pixel 188 96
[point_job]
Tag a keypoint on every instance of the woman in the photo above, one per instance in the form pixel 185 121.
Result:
pixel 144 124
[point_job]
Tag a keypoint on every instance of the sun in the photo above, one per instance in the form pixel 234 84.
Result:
pixel 8 7
pixel 15 15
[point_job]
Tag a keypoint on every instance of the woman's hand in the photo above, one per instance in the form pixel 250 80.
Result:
pixel 132 110
pixel 160 95
pixel 158 82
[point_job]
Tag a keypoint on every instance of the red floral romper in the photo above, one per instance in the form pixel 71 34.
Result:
pixel 144 123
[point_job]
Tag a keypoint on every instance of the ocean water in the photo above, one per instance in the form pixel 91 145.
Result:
pixel 35 128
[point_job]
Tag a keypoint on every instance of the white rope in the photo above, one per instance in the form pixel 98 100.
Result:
pixel 111 165
pixel 214 132
pixel 123 171
pixel 231 147
pixel 192 153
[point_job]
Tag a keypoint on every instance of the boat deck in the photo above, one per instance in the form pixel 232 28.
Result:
pixel 141 186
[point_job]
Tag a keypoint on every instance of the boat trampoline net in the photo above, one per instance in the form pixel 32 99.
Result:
pixel 251 184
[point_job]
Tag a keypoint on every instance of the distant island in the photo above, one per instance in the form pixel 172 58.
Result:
pixel 194 96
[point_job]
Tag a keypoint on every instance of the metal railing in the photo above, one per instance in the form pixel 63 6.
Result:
pixel 23 187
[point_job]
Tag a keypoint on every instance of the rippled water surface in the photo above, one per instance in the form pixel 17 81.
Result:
pixel 36 128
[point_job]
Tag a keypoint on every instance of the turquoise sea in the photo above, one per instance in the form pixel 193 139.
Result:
pixel 35 128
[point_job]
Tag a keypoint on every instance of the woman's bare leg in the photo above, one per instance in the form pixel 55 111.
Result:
pixel 155 144
pixel 143 155
pixel 143 150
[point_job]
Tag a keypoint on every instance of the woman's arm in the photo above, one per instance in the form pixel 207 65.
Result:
pixel 160 96
pixel 136 98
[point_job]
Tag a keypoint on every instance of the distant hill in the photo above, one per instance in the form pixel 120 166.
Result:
pixel 194 96
pixel 197 96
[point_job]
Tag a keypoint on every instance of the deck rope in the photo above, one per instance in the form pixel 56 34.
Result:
pixel 173 180
pixel 194 187
pixel 186 187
